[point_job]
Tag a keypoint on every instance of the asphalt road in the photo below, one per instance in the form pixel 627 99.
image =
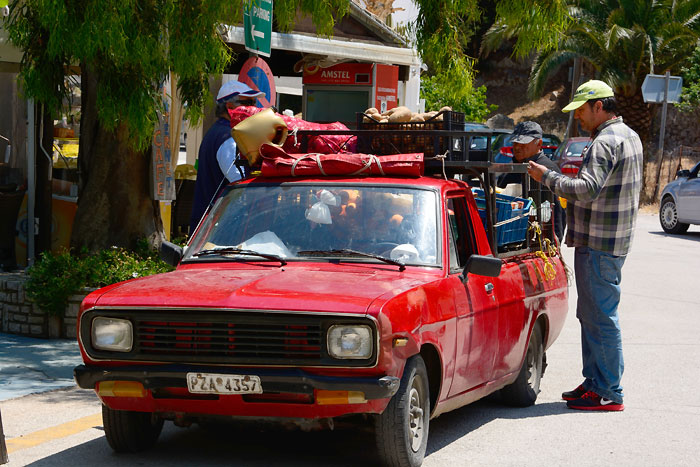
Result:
pixel 660 318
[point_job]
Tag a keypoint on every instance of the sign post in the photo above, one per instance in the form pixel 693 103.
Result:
pixel 257 26
pixel 256 73
pixel 664 89
pixel 3 447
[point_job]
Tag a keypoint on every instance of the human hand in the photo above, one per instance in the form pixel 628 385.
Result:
pixel 536 171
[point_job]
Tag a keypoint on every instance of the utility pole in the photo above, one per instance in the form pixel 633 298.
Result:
pixel 3 448
pixel 571 128
pixel 662 133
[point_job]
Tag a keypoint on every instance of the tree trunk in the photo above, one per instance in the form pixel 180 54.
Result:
pixel 637 115
pixel 114 204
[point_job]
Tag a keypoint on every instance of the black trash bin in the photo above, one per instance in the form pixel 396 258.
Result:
pixel 10 202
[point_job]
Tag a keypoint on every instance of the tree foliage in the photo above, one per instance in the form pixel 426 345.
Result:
pixel 438 91
pixel 534 25
pixel 622 40
pixel 690 97
pixel 134 45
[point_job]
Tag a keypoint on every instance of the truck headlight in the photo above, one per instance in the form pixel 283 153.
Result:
pixel 350 341
pixel 112 334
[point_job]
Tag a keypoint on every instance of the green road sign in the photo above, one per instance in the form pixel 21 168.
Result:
pixel 257 25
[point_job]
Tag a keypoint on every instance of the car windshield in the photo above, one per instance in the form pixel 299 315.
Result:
pixel 501 141
pixel 550 140
pixel 576 148
pixel 479 142
pixel 305 222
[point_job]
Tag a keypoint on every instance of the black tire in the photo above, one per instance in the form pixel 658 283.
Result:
pixel 128 431
pixel 668 216
pixel 524 390
pixel 401 432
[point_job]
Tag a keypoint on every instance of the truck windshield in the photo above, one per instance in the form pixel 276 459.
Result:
pixel 303 222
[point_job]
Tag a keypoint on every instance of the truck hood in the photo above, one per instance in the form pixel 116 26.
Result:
pixel 333 288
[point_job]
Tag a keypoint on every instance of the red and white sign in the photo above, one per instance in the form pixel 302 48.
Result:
pixel 357 74
pixel 386 87
pixel 257 74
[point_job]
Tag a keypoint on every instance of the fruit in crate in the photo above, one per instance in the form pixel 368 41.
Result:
pixel 402 115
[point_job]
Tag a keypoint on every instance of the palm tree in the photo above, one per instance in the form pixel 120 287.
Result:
pixel 621 41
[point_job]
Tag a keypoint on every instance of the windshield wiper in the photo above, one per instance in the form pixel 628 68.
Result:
pixel 348 252
pixel 242 252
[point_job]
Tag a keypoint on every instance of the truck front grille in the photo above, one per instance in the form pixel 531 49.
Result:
pixel 229 340
pixel 226 337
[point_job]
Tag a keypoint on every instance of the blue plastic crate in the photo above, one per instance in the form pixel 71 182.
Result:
pixel 510 232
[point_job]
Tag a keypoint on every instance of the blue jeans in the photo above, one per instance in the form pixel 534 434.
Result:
pixel 598 277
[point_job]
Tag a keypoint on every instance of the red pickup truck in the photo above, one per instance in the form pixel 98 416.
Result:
pixel 312 298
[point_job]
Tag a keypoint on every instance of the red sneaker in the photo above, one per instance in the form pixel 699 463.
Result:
pixel 575 394
pixel 592 401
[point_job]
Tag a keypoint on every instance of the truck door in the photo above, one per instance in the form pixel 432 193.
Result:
pixel 476 304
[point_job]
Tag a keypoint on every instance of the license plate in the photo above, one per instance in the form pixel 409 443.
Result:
pixel 212 383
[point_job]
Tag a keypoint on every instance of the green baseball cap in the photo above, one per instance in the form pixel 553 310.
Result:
pixel 593 89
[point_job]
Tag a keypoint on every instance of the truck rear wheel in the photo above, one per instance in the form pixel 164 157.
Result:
pixel 128 431
pixel 402 430
pixel 523 391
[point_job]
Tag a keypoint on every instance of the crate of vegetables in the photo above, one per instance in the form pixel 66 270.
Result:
pixel 393 136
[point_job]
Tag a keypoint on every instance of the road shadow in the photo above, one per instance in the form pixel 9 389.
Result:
pixel 454 425
pixel 694 236
pixel 260 444
pixel 29 365
pixel 244 444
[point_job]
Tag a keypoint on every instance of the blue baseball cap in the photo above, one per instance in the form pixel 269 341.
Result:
pixel 524 132
pixel 231 89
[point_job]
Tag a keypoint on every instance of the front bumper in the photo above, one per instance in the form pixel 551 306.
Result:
pixel 284 381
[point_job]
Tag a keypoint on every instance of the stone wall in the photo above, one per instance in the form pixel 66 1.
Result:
pixel 682 129
pixel 19 315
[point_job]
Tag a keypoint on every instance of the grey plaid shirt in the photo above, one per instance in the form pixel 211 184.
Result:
pixel 604 198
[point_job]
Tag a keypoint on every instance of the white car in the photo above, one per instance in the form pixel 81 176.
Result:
pixel 680 202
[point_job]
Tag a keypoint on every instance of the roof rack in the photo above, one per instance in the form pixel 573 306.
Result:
pixel 447 153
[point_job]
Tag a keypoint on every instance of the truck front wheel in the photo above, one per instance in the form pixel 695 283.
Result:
pixel 524 390
pixel 128 431
pixel 402 429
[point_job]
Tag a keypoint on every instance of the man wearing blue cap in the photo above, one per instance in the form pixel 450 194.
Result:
pixel 601 215
pixel 217 153
pixel 527 146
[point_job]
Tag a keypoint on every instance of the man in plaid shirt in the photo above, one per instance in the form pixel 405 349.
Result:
pixel 602 209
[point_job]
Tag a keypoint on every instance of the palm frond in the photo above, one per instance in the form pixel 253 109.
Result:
pixel 494 37
pixel 545 65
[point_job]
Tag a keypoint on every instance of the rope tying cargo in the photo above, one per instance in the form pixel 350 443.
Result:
pixel 317 158
pixel 549 272
pixel 442 158
pixel 314 156
pixel 293 134
pixel 368 164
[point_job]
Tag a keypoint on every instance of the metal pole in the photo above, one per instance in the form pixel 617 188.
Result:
pixel 3 448
pixel 31 179
pixel 570 129
pixel 667 79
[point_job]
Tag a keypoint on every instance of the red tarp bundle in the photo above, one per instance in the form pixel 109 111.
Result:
pixel 278 163
pixel 326 144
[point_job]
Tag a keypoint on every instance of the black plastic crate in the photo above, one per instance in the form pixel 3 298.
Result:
pixel 392 138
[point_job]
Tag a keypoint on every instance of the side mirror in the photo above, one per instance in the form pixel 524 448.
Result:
pixel 683 174
pixel 483 265
pixel 170 253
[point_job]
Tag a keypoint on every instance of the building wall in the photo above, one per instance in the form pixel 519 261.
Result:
pixel 19 315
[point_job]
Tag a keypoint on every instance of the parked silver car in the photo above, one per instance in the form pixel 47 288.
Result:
pixel 680 201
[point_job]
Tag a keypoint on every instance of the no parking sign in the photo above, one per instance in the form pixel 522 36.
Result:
pixel 257 74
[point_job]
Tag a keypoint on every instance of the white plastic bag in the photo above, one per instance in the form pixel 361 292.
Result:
pixel 405 252
pixel 267 242
pixel 319 212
